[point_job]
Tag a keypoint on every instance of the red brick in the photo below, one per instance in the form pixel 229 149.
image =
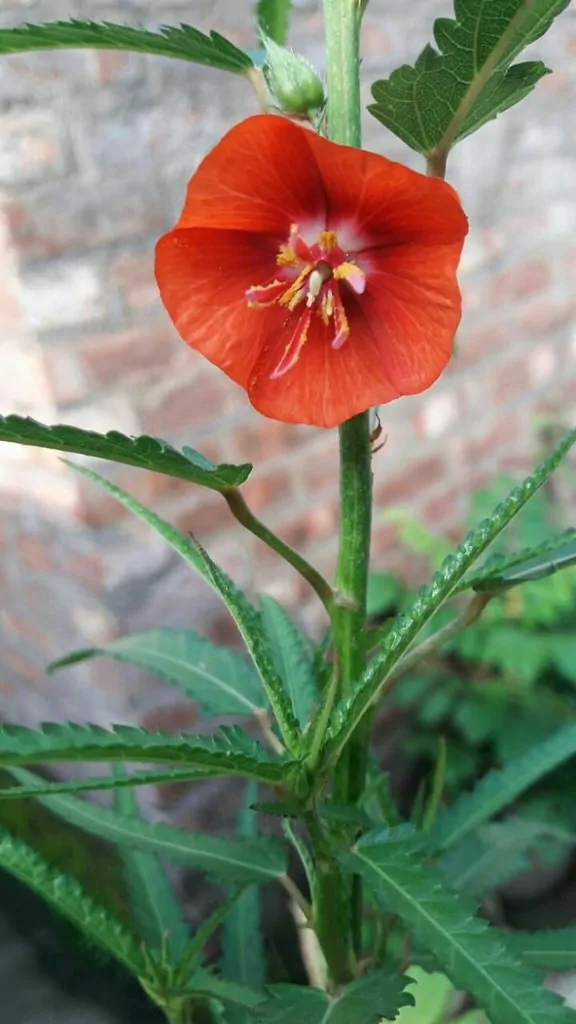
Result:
pixel 472 346
pixel 11 313
pixel 35 553
pixel 179 406
pixel 488 444
pixel 133 274
pixel 265 439
pixel 319 468
pixel 510 380
pixel 109 358
pixel 206 515
pixel 444 510
pixel 264 489
pixel 22 665
pixel 97 508
pixel 519 282
pixel 179 717
pixel 87 568
pixel 33 146
pixel 545 315
pixel 410 483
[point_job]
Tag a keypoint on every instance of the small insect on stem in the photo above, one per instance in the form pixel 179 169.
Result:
pixel 376 434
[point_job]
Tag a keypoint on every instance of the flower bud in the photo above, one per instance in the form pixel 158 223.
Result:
pixel 293 81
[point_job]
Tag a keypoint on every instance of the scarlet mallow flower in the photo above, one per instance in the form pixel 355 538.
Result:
pixel 320 278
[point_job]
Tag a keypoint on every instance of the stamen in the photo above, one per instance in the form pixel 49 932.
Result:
pixel 340 321
pixel 294 347
pixel 327 241
pixel 353 276
pixel 265 294
pixel 315 282
pixel 294 294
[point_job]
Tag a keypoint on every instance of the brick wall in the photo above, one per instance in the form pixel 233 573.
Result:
pixel 96 150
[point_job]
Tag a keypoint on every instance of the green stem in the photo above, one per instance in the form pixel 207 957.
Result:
pixel 342 21
pixel 246 517
pixel 338 902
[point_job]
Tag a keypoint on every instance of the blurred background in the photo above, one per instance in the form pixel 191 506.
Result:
pixel 95 152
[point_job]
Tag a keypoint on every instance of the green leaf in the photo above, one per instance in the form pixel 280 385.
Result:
pixel 550 950
pixel 157 913
pixel 242 943
pixel 208 984
pixel 144 452
pixel 498 789
pixel 526 566
pixel 452 91
pixel 245 616
pixel 182 42
pixel 66 896
pixel 476 958
pixel 194 954
pixel 219 678
pixel 291 657
pixel 103 782
pixel 350 712
pixel 59 743
pixel 488 859
pixel 377 995
pixel 433 997
pixel 272 17
pixel 234 860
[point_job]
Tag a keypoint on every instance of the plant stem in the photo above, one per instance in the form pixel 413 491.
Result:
pixel 338 901
pixel 246 517
pixel 342 23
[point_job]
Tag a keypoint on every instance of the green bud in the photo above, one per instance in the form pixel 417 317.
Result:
pixel 293 81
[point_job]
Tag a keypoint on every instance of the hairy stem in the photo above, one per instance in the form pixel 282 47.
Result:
pixel 338 899
pixel 246 517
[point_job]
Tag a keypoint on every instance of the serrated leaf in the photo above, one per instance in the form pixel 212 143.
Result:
pixel 433 997
pixel 551 949
pixel 475 957
pixel 219 678
pixel 234 860
pixel 157 913
pixel 244 614
pixel 272 17
pixel 208 984
pixel 526 566
pixel 348 714
pixel 182 42
pixel 498 789
pixel 60 743
pixel 143 452
pixel 468 80
pixel 104 782
pixel 291 657
pixel 66 896
pixel 243 959
pixel 377 995
pixel 488 859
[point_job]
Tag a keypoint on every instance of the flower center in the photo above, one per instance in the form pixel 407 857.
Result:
pixel 310 279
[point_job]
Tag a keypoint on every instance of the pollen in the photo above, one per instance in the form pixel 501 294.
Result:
pixel 310 277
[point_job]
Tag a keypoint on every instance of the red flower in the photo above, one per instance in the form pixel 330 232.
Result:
pixel 320 278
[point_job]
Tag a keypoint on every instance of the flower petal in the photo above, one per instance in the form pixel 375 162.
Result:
pixel 203 277
pixel 413 304
pixel 381 202
pixel 326 386
pixel 261 176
